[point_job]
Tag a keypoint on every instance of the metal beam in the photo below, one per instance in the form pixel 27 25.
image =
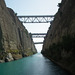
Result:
pixel 38 42
pixel 36 19
pixel 38 35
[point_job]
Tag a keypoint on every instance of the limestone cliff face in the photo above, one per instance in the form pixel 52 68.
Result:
pixel 59 43
pixel 14 38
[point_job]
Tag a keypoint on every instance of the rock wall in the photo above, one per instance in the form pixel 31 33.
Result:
pixel 14 38
pixel 59 43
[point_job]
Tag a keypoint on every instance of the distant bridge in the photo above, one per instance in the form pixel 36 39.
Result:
pixel 36 19
pixel 38 35
pixel 38 42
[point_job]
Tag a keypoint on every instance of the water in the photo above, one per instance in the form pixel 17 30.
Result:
pixel 33 65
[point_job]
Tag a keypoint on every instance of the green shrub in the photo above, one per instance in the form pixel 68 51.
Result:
pixel 13 51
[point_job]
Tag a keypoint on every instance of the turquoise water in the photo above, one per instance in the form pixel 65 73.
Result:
pixel 33 65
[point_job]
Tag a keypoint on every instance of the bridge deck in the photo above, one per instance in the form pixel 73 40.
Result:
pixel 38 42
pixel 38 33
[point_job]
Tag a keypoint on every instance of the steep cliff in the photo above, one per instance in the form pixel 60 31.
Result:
pixel 59 43
pixel 15 41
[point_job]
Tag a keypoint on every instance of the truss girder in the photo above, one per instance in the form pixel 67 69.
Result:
pixel 36 19
pixel 38 35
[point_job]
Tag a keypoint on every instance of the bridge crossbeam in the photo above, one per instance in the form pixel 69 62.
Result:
pixel 38 35
pixel 38 42
pixel 36 19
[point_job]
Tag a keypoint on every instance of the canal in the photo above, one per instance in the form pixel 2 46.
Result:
pixel 33 65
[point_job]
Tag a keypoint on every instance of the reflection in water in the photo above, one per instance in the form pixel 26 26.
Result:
pixel 32 65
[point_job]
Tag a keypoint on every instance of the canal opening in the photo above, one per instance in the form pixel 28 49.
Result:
pixel 37 28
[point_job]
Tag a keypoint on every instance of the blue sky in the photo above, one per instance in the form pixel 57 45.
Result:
pixel 34 7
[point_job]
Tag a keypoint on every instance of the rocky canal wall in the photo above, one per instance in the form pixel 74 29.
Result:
pixel 15 41
pixel 59 43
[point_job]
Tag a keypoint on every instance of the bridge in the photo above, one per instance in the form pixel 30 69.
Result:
pixel 38 42
pixel 36 19
pixel 38 35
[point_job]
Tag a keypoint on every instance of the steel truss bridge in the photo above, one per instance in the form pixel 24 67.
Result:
pixel 38 35
pixel 36 19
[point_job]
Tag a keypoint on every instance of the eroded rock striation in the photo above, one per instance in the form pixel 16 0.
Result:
pixel 59 43
pixel 15 41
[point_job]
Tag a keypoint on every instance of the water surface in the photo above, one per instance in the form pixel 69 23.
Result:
pixel 33 65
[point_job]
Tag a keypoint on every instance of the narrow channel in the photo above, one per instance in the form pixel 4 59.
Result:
pixel 33 65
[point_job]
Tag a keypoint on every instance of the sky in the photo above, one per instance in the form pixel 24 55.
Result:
pixel 34 7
